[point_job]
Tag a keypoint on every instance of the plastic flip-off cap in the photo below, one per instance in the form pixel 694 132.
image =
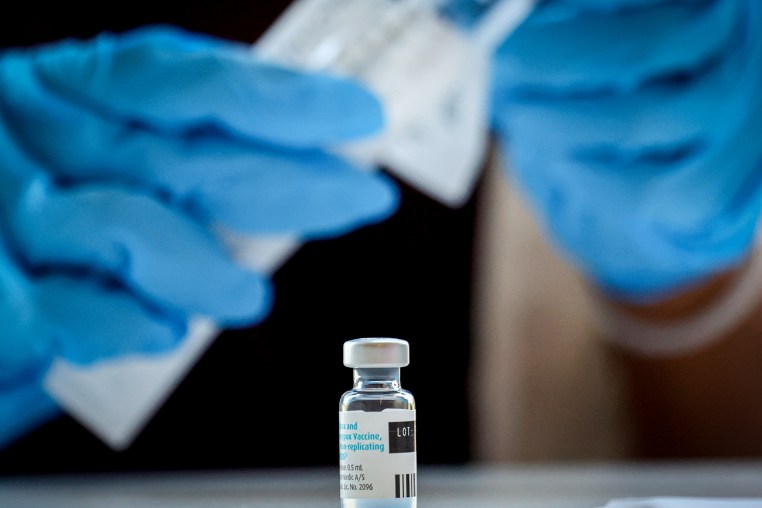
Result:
pixel 378 353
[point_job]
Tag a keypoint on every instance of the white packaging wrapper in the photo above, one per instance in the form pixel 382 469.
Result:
pixel 432 80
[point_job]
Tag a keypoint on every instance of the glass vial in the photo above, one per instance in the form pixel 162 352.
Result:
pixel 377 457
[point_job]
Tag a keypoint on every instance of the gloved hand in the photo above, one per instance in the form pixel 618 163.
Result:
pixel 120 156
pixel 630 125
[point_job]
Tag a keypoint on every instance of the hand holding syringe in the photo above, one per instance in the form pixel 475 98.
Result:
pixel 431 77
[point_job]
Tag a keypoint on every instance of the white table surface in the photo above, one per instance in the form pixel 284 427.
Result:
pixel 468 487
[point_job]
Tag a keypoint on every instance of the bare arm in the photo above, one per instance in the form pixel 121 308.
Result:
pixel 702 403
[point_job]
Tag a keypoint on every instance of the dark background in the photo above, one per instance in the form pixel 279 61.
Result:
pixel 268 396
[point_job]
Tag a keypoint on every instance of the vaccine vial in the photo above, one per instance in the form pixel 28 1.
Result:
pixel 377 456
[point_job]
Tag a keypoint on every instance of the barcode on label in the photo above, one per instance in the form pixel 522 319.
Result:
pixel 404 485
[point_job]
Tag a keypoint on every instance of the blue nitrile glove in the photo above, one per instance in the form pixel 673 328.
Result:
pixel 119 159
pixel 631 126
pixel 59 314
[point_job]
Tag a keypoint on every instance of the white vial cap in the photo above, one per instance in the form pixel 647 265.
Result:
pixel 376 352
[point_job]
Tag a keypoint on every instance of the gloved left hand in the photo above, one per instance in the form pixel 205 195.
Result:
pixel 119 159
pixel 630 126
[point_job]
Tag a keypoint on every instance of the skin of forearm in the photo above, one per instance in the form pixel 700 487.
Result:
pixel 703 403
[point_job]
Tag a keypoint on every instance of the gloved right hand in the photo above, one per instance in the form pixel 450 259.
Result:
pixel 120 156
pixel 631 126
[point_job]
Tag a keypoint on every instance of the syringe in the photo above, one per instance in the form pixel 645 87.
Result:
pixel 428 62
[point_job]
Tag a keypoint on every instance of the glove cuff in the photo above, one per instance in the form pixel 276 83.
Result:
pixel 683 336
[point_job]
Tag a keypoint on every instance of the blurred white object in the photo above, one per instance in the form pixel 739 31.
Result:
pixel 432 78
pixel 684 502
pixel 115 399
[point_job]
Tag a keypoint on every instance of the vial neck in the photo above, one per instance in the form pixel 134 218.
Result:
pixel 377 380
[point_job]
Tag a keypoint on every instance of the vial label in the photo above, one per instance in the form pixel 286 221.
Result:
pixel 377 458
